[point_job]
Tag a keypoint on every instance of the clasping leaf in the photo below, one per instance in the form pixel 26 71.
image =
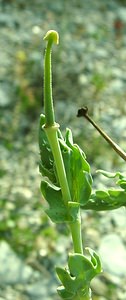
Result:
pixel 81 270
pixel 111 198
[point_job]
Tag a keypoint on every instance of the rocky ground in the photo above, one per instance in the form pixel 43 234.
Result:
pixel 89 69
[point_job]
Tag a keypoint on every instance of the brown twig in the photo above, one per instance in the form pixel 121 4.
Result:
pixel 83 112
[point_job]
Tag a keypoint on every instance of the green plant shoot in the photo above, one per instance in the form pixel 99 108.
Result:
pixel 67 187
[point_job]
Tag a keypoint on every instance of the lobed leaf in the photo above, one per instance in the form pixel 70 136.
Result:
pixel 57 210
pixel 122 177
pixel 81 270
pixel 114 199
pixel 83 267
pixel 110 199
pixel 63 293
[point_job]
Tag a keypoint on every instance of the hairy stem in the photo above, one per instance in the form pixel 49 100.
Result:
pixel 51 37
pixel 49 111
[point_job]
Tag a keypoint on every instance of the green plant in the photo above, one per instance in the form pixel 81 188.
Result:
pixel 67 187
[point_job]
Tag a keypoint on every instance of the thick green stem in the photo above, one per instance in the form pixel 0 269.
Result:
pixel 55 147
pixel 50 126
pixel 75 228
pixel 51 131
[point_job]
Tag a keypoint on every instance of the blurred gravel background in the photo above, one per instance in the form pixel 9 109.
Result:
pixel 89 68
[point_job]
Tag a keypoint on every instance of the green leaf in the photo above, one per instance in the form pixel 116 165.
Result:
pixel 49 173
pixel 57 210
pixel 95 260
pixel 108 174
pixel 122 177
pixel 76 167
pixel 84 268
pixel 63 293
pixel 111 199
pixel 76 280
pixel 47 165
pixel 66 279
pixel 122 183
pixel 77 170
